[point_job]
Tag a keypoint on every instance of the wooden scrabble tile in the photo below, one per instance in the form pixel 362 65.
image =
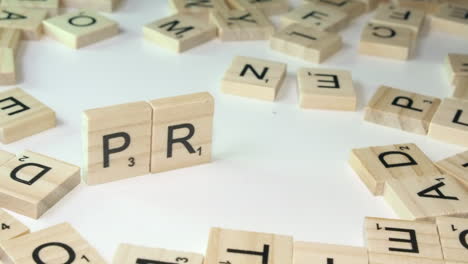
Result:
pixel 320 17
pixel 306 43
pixel 376 165
pixel 268 7
pixel 33 183
pixel 127 253
pixel 255 78
pixel 326 89
pixel 179 32
pixel 452 19
pixel 456 166
pixel 371 4
pixel 354 8
pixel 453 234
pixel 238 247
pixel 182 131
pixel 10 38
pixel 399 241
pixel 400 109
pixel 29 21
pixel 385 41
pixel 9 41
pixel 249 24
pixel 450 122
pixel 392 15
pixel 5 156
pixel 307 252
pixel 57 244
pixel 21 115
pixel 50 6
pixel 99 5
pixel 424 198
pixel 429 6
pixel 80 29
pixel 456 66
pixel 10 227
pixel 198 7
pixel 117 142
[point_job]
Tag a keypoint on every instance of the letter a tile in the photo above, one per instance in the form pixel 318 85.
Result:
pixel 32 183
pixel 307 252
pixel 450 122
pixel 117 142
pixel 182 131
pixel 240 247
pixel 454 238
pixel 179 32
pixel 29 21
pixel 127 254
pixel 456 166
pixel 255 78
pixel 51 6
pixel 57 244
pixel 376 165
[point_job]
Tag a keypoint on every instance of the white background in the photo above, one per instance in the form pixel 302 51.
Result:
pixel 276 168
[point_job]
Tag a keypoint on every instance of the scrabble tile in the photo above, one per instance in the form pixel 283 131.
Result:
pixel 429 6
pixel 452 19
pixel 9 42
pixel 326 89
pixel 320 17
pixel 5 156
pixel 33 183
pixel 400 109
pixel 238 247
pixel 453 234
pixel 385 41
pixel 182 131
pixel 306 43
pixel 117 142
pixel 198 7
pixel 371 4
pixel 456 166
pixel 50 6
pixel 404 242
pixel 10 39
pixel 179 32
pixel 376 165
pixel 450 122
pixel 269 7
pixel 99 5
pixel 80 29
pixel 424 198
pixel 21 115
pixel 354 8
pixel 456 66
pixel 249 24
pixel 308 252
pixel 57 244
pixel 10 227
pixel 254 78
pixel 392 15
pixel 127 253
pixel 29 21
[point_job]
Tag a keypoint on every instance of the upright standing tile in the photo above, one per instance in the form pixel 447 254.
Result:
pixel 182 131
pixel 127 253
pixel 255 78
pixel 450 122
pixel 250 24
pixel 57 244
pixel 429 6
pixel 21 115
pixel 9 42
pixel 29 21
pixel 269 7
pixel 398 241
pixel 179 32
pixel 456 166
pixel 376 165
pixel 326 89
pixel 50 6
pixel 99 5
pixel 456 66
pixel 452 19
pixel 320 17
pixel 386 41
pixel 10 227
pixel 353 8
pixel 198 7
pixel 117 142
pixel 33 183
pixel 424 198
pixel 5 157
pixel 307 252
pixel 400 109
pixel 239 247
pixel 405 17
pixel 306 43
pixel 453 234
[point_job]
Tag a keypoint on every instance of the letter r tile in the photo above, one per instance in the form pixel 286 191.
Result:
pixel 32 183
pixel 116 142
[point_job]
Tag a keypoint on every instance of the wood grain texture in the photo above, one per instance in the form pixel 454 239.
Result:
pixel 320 17
pixel 5 156
pixel 456 166
pixel 10 227
pixel 450 122
pixel 390 42
pixel 129 254
pixel 308 252
pixel 453 237
pixel 29 21
pixel 450 18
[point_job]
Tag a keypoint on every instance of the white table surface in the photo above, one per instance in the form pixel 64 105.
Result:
pixel 276 168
